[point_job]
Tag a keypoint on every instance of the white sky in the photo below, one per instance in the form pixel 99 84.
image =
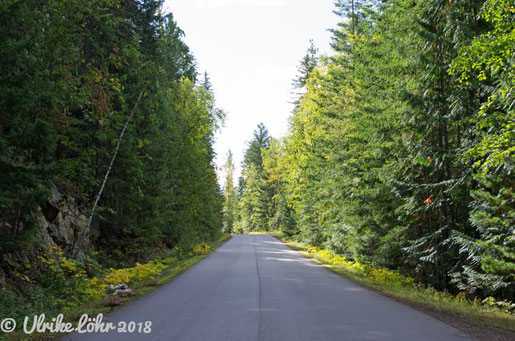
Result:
pixel 251 50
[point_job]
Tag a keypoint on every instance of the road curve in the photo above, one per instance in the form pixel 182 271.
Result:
pixel 256 288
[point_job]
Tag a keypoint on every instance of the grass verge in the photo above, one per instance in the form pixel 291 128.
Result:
pixel 107 304
pixel 473 317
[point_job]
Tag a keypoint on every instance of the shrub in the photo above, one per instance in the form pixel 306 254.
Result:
pixel 389 277
pixel 380 275
pixel 97 286
pixel 201 249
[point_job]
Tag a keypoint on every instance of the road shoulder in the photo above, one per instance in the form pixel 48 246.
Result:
pixel 475 324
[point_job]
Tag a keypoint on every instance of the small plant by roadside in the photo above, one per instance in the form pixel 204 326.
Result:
pixel 379 275
pixel 201 249
pixel 383 276
pixel 97 286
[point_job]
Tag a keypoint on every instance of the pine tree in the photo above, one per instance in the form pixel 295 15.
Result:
pixel 255 194
pixel 260 140
pixel 230 197
pixel 307 64
pixel 281 215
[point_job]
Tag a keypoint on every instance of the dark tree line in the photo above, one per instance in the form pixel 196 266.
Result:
pixel 73 74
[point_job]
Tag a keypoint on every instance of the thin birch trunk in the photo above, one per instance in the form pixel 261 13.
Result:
pixel 99 194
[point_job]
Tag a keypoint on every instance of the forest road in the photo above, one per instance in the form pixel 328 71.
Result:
pixel 256 288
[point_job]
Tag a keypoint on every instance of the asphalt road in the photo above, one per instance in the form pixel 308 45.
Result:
pixel 256 288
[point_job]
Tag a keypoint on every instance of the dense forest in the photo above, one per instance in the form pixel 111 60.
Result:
pixel 400 150
pixel 399 154
pixel 106 142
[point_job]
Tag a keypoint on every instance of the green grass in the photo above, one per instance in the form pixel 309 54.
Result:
pixel 429 300
pixel 106 305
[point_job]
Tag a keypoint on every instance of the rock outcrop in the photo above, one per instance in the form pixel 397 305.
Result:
pixel 58 222
pixel 61 222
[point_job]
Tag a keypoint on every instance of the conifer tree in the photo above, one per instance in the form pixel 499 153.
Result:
pixel 230 197
pixel 307 64
pixel 255 194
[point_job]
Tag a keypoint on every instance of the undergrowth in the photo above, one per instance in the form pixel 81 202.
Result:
pixel 65 286
pixel 488 312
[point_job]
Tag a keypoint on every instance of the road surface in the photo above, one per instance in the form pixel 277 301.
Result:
pixel 256 288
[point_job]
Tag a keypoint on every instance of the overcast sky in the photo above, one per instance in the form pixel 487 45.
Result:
pixel 251 50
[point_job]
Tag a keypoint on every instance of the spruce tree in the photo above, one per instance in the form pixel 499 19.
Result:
pixel 230 197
